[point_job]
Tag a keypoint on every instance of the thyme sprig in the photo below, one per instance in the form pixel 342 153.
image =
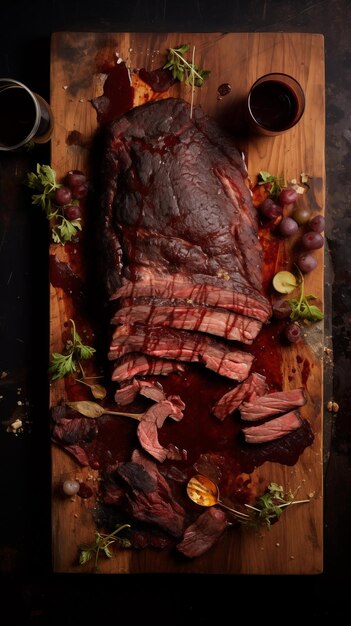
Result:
pixel 183 70
pixel 269 507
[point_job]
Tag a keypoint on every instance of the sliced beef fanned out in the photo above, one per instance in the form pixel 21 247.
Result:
pixel 149 497
pixel 200 536
pixel 272 404
pixel 275 428
pixel 200 289
pixel 175 202
pixel 255 385
pixel 129 390
pixel 181 345
pixel 138 364
pixel 201 318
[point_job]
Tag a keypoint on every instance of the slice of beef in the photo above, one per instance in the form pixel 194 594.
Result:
pixel 254 386
pixel 175 200
pixel 129 390
pixel 136 364
pixel 208 290
pixel 272 404
pixel 152 420
pixel 149 497
pixel 184 346
pixel 148 437
pixel 214 321
pixel 200 536
pixel 275 428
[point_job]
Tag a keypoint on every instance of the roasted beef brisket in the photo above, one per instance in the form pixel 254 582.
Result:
pixel 272 429
pixel 272 404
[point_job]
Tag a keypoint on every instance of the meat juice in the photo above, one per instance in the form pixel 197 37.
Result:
pixel 17 115
pixel 273 105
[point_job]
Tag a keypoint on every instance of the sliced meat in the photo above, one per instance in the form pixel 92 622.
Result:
pixel 214 321
pixel 200 536
pixel 208 290
pixel 272 404
pixel 149 497
pixel 275 428
pixel 184 346
pixel 148 437
pixel 152 390
pixel 132 365
pixel 254 385
pixel 152 420
pixel 127 392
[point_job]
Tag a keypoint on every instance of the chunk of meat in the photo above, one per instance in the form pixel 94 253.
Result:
pixel 275 428
pixel 149 498
pixel 200 536
pixel 254 386
pixel 175 201
pixel 184 346
pixel 272 404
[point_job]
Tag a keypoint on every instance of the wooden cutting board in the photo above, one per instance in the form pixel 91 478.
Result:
pixel 294 545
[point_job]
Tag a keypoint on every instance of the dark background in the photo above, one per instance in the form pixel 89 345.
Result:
pixel 31 594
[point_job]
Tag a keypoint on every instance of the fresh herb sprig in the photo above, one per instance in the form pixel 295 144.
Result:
pixel 301 309
pixel 269 507
pixel 102 546
pixel 276 183
pixel 69 362
pixel 183 70
pixel 44 182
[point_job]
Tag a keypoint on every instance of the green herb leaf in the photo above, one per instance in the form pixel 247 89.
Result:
pixel 301 309
pixel 182 69
pixel 270 506
pixel 276 183
pixel 102 544
pixel 69 361
pixel 43 181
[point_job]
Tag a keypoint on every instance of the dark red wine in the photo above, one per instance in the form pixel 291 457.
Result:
pixel 273 105
pixel 17 116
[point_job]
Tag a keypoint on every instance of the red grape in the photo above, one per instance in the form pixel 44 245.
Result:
pixel 270 209
pixel 288 227
pixel 301 215
pixel 317 223
pixel 292 332
pixel 312 240
pixel 72 212
pixel 80 191
pixel 306 262
pixel 63 196
pixel 75 178
pixel 288 195
pixel 281 309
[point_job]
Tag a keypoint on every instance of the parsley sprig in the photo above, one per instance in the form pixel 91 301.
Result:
pixel 102 545
pixel 75 351
pixel 44 182
pixel 269 507
pixel 276 183
pixel 183 70
pixel 301 307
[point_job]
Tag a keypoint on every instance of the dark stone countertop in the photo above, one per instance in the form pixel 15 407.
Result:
pixel 31 590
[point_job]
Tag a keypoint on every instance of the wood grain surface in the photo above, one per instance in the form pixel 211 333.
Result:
pixel 295 544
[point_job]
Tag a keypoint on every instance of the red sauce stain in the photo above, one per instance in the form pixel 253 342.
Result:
pixel 85 491
pixel 118 94
pixel 306 369
pixel 75 138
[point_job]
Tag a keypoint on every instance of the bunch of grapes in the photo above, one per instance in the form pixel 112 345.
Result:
pixel 312 239
pixel 75 187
